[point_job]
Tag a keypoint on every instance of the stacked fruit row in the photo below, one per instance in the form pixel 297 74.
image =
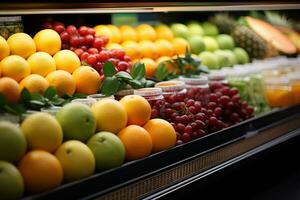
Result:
pixel 48 150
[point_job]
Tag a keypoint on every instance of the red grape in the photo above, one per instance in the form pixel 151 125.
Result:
pixel 59 28
pixel 180 127
pixel 118 53
pixel 213 97
pixel 154 113
pixel 89 40
pixel 47 25
pixel 93 50
pixel 98 66
pixel 234 91
pixel 122 66
pixel 65 37
pixel 114 61
pixel 83 30
pixel 84 56
pixel 91 59
pixel 98 43
pixel 127 58
pixel 103 55
pixel 78 52
pixel 186 137
pixel 91 31
pixel 71 30
pixel 74 41
pixel 105 39
pixel 188 129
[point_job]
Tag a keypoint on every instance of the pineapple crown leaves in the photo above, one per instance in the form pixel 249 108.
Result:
pixel 277 19
pixel 116 81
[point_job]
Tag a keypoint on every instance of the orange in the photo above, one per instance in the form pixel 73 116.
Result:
pixel 87 80
pixel 110 115
pixel 42 131
pixel 180 45
pixel 62 81
pixel 48 41
pixel 116 34
pixel 132 49
pixel 162 133
pixel 41 63
pixel 138 109
pixel 111 46
pixel 66 60
pixel 15 67
pixel 128 33
pixel 34 83
pixel 164 47
pixel 165 60
pixel 21 44
pixel 10 89
pixel 4 49
pixel 148 49
pixel 164 32
pixel 150 66
pixel 137 142
pixel 103 30
pixel 41 171
pixel 146 32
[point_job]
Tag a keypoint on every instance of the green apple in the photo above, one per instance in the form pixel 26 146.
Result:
pixel 196 43
pixel 108 150
pixel 12 142
pixel 223 58
pixel 210 29
pixel 210 44
pixel 76 159
pixel 77 121
pixel 195 29
pixel 209 59
pixel 241 55
pixel 180 30
pixel 11 182
pixel 225 41
pixel 231 56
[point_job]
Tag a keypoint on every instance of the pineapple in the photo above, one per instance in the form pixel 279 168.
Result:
pixel 243 36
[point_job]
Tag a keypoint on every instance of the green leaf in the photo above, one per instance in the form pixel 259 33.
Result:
pixel 2 100
pixel 37 96
pixel 110 86
pixel 9 109
pixel 135 84
pixel 109 69
pixel 18 108
pixel 37 103
pixel 79 95
pixel 25 95
pixel 50 93
pixel 123 75
pixel 58 101
pixel 161 72
pixel 138 71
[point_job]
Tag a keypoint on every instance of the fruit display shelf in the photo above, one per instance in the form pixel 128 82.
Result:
pixel 164 173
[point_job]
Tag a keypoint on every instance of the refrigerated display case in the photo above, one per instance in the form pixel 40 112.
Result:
pixel 167 174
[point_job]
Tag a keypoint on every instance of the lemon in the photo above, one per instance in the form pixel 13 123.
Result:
pixel 48 40
pixel 4 49
pixel 41 63
pixel 15 67
pixel 66 60
pixel 21 44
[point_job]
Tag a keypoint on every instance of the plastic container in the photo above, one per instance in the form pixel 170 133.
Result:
pixel 51 110
pixel 197 88
pixel 295 86
pixel 217 76
pixel 10 117
pixel 123 93
pixel 10 25
pixel 153 95
pixel 278 92
pixel 173 91
pixel 28 112
pixel 99 97
pixel 87 101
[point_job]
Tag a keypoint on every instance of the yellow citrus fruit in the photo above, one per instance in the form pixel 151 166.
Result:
pixel 162 133
pixel 164 32
pixel 128 33
pixel 21 44
pixel 15 67
pixel 116 34
pixel 41 171
pixel 150 66
pixel 10 89
pixel 66 60
pixel 180 45
pixel 138 109
pixel 34 83
pixel 164 47
pixel 4 48
pixel 110 115
pixel 48 40
pixel 87 80
pixel 62 81
pixel 111 46
pixel 132 49
pixel 42 131
pixel 146 32
pixel 148 49
pixel 165 60
pixel 41 63
pixel 103 30
pixel 137 142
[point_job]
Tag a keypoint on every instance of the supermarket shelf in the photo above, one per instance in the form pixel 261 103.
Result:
pixel 17 8
pixel 182 164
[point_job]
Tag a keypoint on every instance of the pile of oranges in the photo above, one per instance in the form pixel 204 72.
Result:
pixel 150 45
pixel 45 157
pixel 37 63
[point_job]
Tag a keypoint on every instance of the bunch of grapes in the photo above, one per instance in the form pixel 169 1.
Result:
pixel 89 47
